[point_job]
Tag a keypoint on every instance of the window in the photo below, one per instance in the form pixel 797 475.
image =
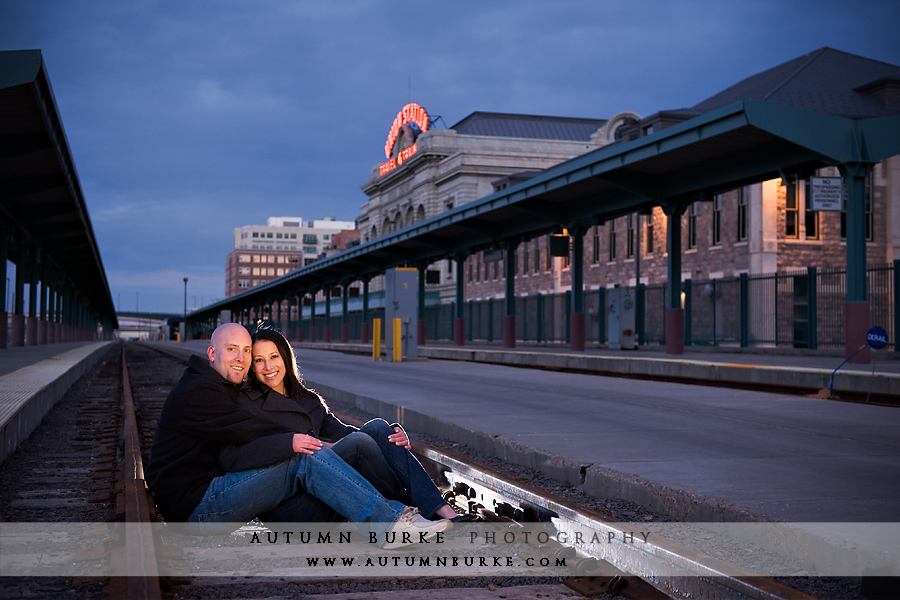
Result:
pixel 811 222
pixel 278 236
pixel 791 210
pixel 629 237
pixel 293 236
pixel 243 283
pixel 537 256
pixel 795 209
pixel 243 258
pixel 525 248
pixel 256 234
pixel 549 264
pixel 595 248
pixel 269 235
pixel 309 250
pixel 612 240
pixel 692 224
pixel 649 244
pixel 243 270
pixel 743 195
pixel 310 238
pixel 718 201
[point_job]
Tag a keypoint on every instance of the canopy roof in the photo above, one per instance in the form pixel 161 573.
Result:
pixel 41 201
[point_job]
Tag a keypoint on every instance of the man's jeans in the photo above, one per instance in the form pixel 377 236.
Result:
pixel 237 498
pixel 390 468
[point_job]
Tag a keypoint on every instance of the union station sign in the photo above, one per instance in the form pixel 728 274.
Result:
pixel 410 122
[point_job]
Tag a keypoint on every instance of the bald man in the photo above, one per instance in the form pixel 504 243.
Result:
pixel 201 414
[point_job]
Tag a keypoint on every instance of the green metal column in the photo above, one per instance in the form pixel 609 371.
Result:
pixel 420 296
pixel 345 310
pixel 509 319
pixel 576 320
pixel 858 317
pixel 674 311
pixel 459 322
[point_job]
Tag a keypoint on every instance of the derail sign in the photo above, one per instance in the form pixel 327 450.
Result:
pixel 400 145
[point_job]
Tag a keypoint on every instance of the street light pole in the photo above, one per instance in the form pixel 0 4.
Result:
pixel 184 336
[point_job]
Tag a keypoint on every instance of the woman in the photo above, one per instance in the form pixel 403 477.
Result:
pixel 379 451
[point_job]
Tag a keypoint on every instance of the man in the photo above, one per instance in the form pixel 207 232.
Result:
pixel 200 415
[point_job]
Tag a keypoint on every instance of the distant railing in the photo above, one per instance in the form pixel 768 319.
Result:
pixel 796 309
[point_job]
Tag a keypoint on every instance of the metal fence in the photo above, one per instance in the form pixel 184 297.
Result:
pixel 798 309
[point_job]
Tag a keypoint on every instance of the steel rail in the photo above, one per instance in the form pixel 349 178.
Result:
pixel 703 576
pixel 142 581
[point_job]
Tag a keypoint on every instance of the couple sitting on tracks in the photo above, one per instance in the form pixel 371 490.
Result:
pixel 227 451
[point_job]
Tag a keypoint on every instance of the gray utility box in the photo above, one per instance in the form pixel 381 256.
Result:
pixel 401 301
pixel 621 321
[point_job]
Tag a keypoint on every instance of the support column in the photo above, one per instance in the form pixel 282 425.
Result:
pixel 31 322
pixel 576 319
pixel 18 317
pixel 857 311
pixel 674 312
pixel 44 321
pixel 4 258
pixel 345 309
pixel 420 297
pixel 312 316
pixel 509 319
pixel 459 321
pixel 328 314
pixel 364 326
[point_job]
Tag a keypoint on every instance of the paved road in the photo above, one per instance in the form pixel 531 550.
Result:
pixel 780 456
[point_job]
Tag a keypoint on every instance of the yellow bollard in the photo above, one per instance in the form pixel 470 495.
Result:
pixel 376 339
pixel 398 335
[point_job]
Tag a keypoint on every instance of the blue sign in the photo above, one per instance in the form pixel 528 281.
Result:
pixel 877 338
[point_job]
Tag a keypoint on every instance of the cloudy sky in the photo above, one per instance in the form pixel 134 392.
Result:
pixel 187 119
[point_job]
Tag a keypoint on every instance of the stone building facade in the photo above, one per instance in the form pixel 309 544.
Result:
pixel 761 228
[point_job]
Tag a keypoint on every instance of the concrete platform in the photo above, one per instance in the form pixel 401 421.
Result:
pixel 33 379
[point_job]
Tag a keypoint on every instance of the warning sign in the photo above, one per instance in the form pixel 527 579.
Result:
pixel 826 193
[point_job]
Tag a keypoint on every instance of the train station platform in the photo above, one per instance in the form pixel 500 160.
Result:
pixel 33 379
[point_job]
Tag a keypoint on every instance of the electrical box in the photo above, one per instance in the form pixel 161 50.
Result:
pixel 401 288
pixel 621 321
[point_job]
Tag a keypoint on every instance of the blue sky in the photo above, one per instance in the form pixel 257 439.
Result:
pixel 188 119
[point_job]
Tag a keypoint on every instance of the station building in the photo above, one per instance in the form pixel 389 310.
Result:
pixel 760 227
pixel 265 252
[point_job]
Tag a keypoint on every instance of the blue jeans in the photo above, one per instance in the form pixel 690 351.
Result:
pixel 421 491
pixel 237 498
pixel 391 469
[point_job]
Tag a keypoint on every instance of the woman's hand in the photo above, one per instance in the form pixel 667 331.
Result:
pixel 305 444
pixel 400 438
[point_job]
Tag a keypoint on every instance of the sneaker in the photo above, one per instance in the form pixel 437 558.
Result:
pixel 410 527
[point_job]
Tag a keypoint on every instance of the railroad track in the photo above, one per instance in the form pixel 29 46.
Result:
pixel 140 547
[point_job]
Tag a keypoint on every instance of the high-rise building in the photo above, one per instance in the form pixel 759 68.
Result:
pixel 263 252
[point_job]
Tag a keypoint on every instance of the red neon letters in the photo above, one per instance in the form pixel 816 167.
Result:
pixel 410 113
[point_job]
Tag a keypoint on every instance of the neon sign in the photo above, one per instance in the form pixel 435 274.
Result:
pixel 411 121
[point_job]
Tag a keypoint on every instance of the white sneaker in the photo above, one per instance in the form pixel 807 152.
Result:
pixel 412 527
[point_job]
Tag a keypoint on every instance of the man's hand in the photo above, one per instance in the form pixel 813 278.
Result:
pixel 400 438
pixel 306 444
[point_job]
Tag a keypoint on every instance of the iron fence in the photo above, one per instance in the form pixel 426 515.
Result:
pixel 798 309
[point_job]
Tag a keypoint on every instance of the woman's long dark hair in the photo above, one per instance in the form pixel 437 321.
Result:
pixel 293 383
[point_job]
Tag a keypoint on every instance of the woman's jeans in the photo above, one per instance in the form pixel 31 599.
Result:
pixel 421 491
pixel 237 498
pixel 390 468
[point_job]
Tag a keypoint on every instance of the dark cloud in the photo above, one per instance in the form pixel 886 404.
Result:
pixel 188 119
